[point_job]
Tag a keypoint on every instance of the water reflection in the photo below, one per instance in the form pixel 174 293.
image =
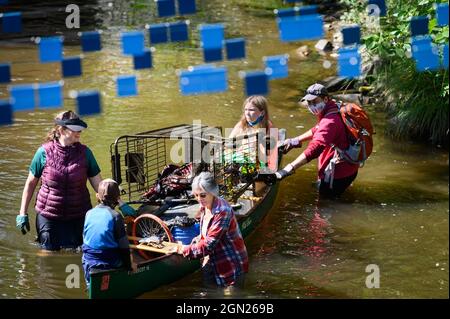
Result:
pixel 315 245
pixel 48 18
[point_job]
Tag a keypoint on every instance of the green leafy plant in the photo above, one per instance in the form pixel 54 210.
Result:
pixel 416 102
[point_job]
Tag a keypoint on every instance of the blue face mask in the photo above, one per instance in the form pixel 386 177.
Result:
pixel 257 121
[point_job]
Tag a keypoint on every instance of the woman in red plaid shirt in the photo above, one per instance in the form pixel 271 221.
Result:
pixel 220 243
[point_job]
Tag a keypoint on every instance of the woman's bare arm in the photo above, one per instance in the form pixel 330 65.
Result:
pixel 28 191
pixel 95 181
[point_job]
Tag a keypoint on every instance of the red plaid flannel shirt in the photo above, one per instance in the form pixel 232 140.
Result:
pixel 223 244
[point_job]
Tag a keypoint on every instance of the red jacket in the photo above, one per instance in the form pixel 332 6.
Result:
pixel 329 130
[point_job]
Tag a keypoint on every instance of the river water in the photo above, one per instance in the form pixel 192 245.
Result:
pixel 395 215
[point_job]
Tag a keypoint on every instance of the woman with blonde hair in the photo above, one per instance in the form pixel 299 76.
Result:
pixel 254 117
pixel 255 120
pixel 63 165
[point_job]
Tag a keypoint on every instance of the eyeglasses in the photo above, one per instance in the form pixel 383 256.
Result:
pixel 201 195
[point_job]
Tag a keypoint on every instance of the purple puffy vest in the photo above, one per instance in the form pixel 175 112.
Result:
pixel 63 194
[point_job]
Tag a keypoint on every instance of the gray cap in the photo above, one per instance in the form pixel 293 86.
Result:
pixel 315 91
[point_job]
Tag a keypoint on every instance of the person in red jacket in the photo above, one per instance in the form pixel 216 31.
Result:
pixel 334 175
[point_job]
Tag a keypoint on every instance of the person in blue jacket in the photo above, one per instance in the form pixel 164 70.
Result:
pixel 105 241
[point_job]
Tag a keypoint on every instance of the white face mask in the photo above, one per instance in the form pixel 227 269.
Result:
pixel 318 108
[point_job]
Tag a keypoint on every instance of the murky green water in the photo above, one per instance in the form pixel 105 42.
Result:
pixel 395 215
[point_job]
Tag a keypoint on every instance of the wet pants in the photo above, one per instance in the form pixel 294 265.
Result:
pixel 339 186
pixel 57 234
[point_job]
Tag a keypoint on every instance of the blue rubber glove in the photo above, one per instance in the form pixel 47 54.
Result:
pixel 127 210
pixel 22 223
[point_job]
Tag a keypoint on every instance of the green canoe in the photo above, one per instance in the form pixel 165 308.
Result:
pixel 167 268
pixel 129 154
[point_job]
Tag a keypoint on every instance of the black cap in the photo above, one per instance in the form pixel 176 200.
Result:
pixel 76 125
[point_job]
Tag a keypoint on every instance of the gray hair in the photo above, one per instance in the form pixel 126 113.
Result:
pixel 206 181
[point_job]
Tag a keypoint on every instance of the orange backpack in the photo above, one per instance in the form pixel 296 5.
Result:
pixel 359 132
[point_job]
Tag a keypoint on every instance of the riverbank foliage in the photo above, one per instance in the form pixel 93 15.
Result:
pixel 416 102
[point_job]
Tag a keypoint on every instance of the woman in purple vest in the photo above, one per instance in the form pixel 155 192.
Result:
pixel 63 165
